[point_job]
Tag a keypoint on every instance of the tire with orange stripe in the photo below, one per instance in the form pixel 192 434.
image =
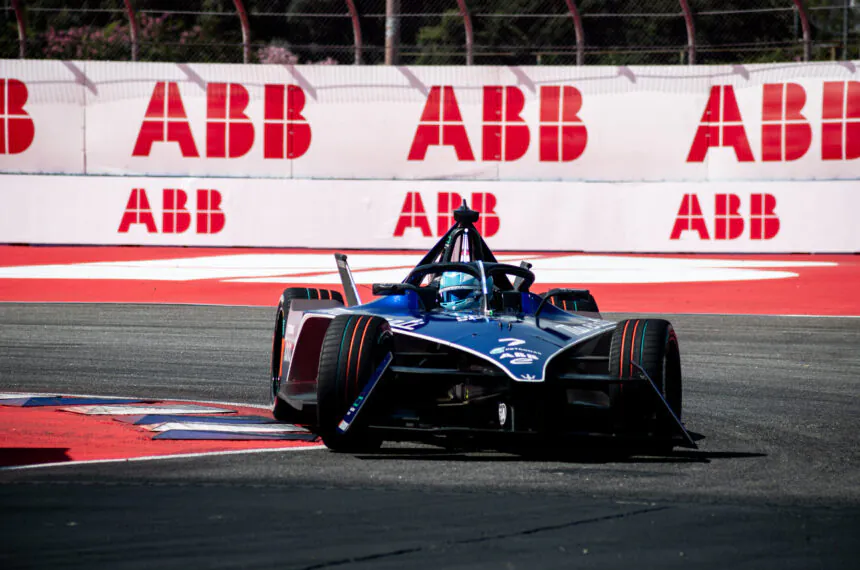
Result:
pixel 577 301
pixel 653 345
pixel 353 347
pixel 280 409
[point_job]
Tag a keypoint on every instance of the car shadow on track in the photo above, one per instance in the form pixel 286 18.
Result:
pixel 590 453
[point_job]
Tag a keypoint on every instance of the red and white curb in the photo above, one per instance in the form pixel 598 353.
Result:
pixel 41 430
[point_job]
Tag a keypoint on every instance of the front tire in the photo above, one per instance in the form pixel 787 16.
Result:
pixel 281 410
pixel 353 347
pixel 653 345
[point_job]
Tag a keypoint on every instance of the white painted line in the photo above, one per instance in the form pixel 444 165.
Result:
pixel 370 267
pixel 763 315
pixel 13 396
pixel 129 410
pixel 227 428
pixel 158 457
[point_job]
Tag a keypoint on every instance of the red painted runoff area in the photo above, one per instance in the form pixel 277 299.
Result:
pixel 800 284
pixel 49 435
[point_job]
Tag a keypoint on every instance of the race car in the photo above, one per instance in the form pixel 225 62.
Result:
pixel 461 351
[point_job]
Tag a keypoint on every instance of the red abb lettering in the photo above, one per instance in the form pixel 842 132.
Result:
pixel 137 211
pixel 729 222
pixel 563 137
pixel 690 218
pixel 446 203
pixel 229 132
pixel 413 215
pixel 210 217
pixel 504 128
pixel 16 127
pixel 840 128
pixel 286 133
pixel 721 125
pixel 165 121
pixel 764 223
pixel 175 218
pixel 441 124
pixel 485 203
pixel 785 132
pixel 482 202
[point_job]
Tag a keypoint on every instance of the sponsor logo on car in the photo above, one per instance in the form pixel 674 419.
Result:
pixel 585 327
pixel 514 352
pixel 407 324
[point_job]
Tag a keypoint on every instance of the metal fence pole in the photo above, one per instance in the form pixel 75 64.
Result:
pixel 845 30
pixel 580 33
pixel 392 32
pixel 804 25
pixel 356 30
pixel 246 30
pixel 22 29
pixel 133 28
pixel 691 32
pixel 470 36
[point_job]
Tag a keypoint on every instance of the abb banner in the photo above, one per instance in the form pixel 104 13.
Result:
pixel 625 217
pixel 716 123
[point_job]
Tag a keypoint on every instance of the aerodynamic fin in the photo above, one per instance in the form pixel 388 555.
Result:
pixel 365 394
pixel 688 440
pixel 350 291
pixel 519 280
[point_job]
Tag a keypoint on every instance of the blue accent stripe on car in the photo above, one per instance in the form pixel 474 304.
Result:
pixel 642 344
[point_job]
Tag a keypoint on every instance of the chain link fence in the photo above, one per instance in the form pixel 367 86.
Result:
pixel 437 32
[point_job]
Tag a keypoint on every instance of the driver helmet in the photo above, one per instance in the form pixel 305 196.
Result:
pixel 461 291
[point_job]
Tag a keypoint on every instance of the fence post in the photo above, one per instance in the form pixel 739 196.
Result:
pixel 133 28
pixel 356 30
pixel 691 32
pixel 22 29
pixel 845 30
pixel 804 24
pixel 246 30
pixel 580 33
pixel 392 32
pixel 467 22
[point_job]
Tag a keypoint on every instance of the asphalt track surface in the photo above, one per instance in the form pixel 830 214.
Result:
pixel 775 483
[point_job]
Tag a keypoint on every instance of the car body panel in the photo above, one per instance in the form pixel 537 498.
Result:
pixel 518 344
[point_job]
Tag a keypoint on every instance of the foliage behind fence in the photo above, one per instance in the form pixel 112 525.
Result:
pixel 506 32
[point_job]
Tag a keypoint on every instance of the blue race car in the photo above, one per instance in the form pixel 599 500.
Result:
pixel 462 351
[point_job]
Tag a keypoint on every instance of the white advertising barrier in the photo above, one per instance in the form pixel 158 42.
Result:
pixel 669 123
pixel 42 119
pixel 602 217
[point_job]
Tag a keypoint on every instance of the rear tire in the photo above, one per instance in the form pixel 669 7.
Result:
pixel 353 347
pixel 578 301
pixel 281 410
pixel 653 345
